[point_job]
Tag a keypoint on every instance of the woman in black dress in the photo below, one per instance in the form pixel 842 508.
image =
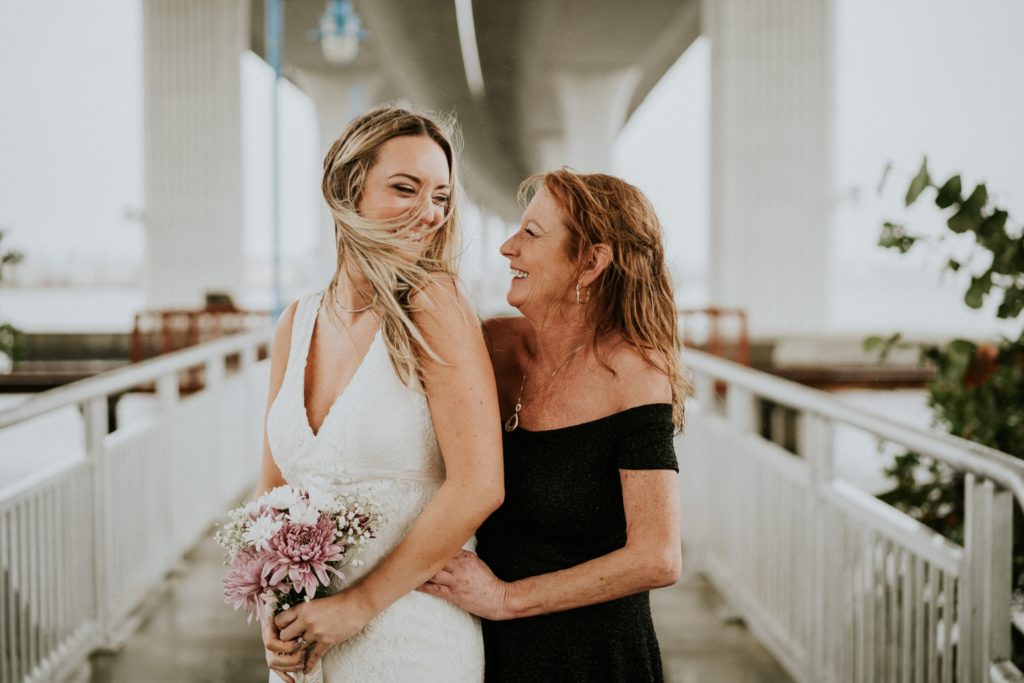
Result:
pixel 591 388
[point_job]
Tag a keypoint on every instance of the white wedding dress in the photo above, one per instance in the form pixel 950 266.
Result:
pixel 377 442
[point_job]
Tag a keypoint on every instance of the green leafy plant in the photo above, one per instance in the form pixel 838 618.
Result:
pixel 10 337
pixel 977 391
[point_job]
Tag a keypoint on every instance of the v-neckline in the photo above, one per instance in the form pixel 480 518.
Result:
pixel 305 366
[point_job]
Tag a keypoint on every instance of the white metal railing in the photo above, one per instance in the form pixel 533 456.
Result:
pixel 82 546
pixel 837 584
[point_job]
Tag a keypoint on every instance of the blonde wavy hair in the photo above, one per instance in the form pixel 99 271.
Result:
pixel 633 296
pixel 380 248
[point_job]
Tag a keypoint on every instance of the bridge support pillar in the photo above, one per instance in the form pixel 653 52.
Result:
pixel 771 159
pixel 593 106
pixel 193 148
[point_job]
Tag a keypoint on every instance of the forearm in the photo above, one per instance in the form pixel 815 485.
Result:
pixel 620 573
pixel 446 523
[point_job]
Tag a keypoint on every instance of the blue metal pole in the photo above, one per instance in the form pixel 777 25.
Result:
pixel 273 25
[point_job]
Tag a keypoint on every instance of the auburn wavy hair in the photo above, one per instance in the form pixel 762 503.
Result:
pixel 633 296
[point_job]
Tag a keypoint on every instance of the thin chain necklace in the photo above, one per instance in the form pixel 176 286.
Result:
pixel 357 310
pixel 513 420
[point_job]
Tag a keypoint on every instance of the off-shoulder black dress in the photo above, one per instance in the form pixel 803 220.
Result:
pixel 563 507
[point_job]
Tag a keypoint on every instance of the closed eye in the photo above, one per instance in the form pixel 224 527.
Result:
pixel 441 200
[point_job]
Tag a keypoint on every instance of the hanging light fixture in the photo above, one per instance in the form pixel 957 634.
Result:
pixel 339 32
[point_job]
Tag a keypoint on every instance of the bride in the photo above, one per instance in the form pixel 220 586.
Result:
pixel 381 387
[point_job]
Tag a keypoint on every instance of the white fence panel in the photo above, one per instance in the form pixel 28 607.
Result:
pixel 136 515
pixel 837 584
pixel 84 543
pixel 47 573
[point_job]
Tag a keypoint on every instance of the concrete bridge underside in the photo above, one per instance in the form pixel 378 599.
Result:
pixel 559 80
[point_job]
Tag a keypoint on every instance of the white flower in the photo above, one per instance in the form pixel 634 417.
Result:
pixel 303 513
pixel 261 531
pixel 251 509
pixel 322 501
pixel 282 498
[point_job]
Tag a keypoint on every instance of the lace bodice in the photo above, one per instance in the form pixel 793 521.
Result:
pixel 377 427
pixel 377 441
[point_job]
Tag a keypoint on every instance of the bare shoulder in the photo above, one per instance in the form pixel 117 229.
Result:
pixel 637 380
pixel 441 299
pixel 508 334
pixel 446 319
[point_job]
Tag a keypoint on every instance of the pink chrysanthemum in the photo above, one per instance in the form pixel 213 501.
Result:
pixel 244 583
pixel 302 553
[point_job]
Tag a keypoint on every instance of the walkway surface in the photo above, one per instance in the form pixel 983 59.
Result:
pixel 194 637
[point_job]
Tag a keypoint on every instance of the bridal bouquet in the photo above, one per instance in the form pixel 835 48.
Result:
pixel 287 546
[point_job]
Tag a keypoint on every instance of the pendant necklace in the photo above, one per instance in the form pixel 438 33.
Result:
pixel 513 420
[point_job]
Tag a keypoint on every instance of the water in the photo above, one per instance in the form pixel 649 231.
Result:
pixel 71 309
pixel 859 457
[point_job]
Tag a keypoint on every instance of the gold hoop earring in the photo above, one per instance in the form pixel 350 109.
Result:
pixel 580 299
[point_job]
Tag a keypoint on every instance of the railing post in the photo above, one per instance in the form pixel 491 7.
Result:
pixel 741 409
pixel 247 356
pixel 167 395
pixel 94 413
pixel 984 609
pixel 214 370
pixel 704 389
pixel 816 445
pixel 167 391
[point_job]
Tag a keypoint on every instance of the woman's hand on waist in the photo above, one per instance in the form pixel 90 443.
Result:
pixel 468 583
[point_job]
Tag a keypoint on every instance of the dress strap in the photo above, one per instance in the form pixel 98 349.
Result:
pixel 306 311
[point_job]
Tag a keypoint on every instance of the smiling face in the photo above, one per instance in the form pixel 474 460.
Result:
pixel 542 272
pixel 410 175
